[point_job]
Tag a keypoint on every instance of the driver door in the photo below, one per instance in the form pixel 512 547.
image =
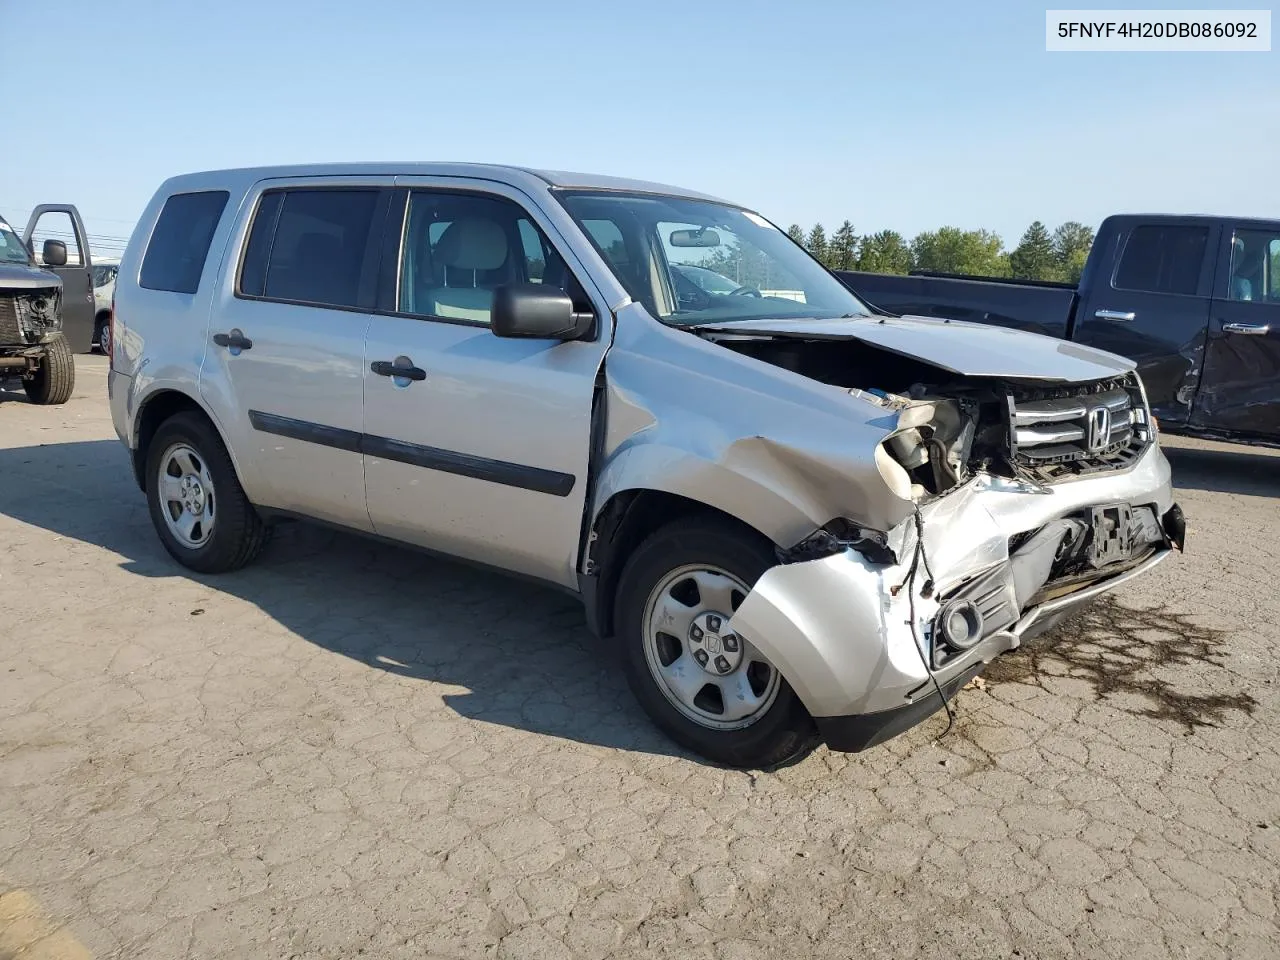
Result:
pixel 54 221
pixel 480 448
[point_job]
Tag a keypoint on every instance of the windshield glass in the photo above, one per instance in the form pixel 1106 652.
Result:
pixel 693 262
pixel 11 246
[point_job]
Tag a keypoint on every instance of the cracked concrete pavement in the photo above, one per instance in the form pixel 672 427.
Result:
pixel 353 750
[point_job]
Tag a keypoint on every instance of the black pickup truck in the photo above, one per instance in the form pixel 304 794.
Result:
pixel 1194 300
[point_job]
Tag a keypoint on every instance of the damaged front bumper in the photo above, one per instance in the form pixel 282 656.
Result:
pixel 853 636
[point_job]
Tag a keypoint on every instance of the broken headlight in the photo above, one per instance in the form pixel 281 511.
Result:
pixel 929 448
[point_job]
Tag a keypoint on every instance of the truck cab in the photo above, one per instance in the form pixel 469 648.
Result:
pixel 1194 301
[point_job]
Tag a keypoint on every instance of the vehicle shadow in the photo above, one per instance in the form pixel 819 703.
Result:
pixel 1243 470
pixel 522 652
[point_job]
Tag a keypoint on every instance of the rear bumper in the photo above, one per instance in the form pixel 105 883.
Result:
pixel 858 646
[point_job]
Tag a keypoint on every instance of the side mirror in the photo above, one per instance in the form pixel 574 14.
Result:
pixel 535 311
pixel 54 253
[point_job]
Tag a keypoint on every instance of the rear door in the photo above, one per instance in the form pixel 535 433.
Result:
pixel 1240 386
pixel 57 221
pixel 285 357
pixel 1153 307
pixel 481 451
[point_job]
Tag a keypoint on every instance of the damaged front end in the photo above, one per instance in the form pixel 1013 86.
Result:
pixel 29 317
pixel 1028 500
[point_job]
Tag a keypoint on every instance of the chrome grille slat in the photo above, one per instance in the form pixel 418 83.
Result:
pixel 1033 436
pixel 10 332
pixel 1053 428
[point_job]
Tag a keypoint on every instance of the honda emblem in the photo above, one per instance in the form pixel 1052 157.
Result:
pixel 1099 431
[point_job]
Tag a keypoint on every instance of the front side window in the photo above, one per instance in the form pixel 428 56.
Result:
pixel 1255 256
pixel 694 262
pixel 1162 259
pixel 458 248
pixel 180 242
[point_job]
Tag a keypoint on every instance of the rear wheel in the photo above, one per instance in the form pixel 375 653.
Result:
pixel 706 687
pixel 197 505
pixel 55 377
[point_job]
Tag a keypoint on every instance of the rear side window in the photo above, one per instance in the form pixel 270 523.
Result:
pixel 1159 259
pixel 180 242
pixel 312 246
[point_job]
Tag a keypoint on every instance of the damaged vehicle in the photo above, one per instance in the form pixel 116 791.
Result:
pixel 793 518
pixel 33 348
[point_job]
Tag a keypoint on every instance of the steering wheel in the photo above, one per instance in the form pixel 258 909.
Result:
pixel 746 292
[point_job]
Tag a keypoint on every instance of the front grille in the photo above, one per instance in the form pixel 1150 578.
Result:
pixel 1065 432
pixel 9 330
pixel 28 317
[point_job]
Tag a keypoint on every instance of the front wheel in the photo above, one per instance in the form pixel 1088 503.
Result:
pixel 55 377
pixel 709 689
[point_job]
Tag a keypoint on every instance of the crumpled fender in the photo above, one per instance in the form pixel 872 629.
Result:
pixel 779 451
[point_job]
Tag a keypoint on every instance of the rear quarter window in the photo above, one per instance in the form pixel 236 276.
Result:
pixel 180 241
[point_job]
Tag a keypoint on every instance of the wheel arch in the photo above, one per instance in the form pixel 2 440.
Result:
pixel 158 407
pixel 621 525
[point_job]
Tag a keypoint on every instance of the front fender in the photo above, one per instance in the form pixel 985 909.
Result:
pixel 782 453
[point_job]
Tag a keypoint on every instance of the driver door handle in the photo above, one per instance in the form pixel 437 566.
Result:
pixel 1247 329
pixel 385 368
pixel 1123 316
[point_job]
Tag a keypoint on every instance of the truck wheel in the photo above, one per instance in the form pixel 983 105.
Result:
pixel 55 378
pixel 708 689
pixel 197 505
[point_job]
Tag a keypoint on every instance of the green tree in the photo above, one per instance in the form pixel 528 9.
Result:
pixel 884 252
pixel 843 251
pixel 1071 244
pixel 816 244
pixel 1035 258
pixel 952 250
pixel 796 233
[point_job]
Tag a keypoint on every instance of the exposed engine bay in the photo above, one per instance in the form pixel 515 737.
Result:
pixel 950 427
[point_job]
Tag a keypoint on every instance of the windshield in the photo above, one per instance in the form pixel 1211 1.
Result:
pixel 693 262
pixel 12 249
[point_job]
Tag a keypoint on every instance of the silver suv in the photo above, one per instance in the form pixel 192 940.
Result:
pixel 794 517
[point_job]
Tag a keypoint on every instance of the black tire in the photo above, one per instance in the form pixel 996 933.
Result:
pixel 238 532
pixel 55 378
pixel 783 733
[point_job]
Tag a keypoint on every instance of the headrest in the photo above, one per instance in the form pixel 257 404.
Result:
pixel 472 244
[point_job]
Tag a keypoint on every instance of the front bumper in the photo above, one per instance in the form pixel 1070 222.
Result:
pixel 840 628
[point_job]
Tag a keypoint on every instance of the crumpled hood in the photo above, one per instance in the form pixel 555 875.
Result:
pixel 18 276
pixel 969 349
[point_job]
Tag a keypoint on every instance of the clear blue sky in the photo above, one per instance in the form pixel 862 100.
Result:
pixel 901 115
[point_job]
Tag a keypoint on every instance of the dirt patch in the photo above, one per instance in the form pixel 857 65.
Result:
pixel 1116 649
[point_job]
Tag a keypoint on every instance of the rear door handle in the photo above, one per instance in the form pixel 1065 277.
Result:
pixel 385 368
pixel 235 341
pixel 1123 316
pixel 1247 329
